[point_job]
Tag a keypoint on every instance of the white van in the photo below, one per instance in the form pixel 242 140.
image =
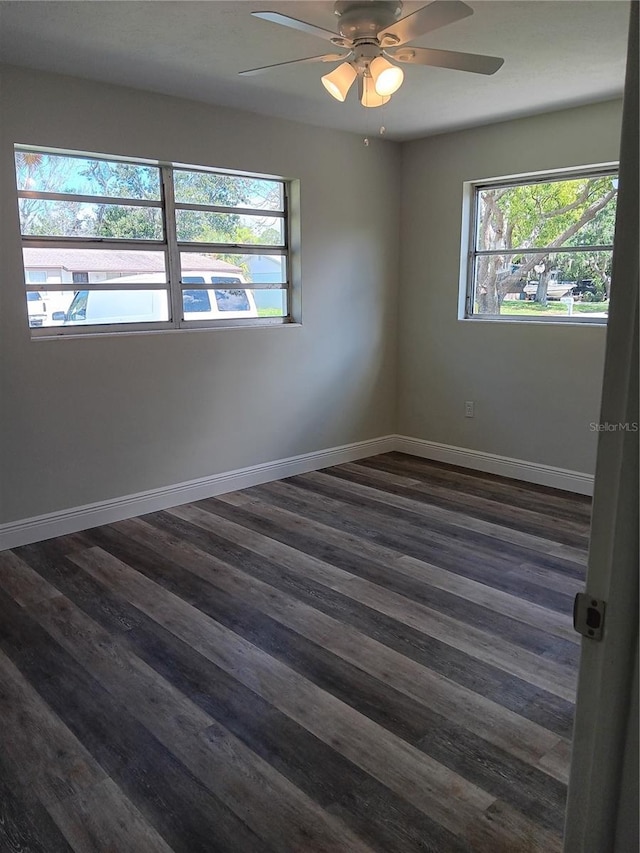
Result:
pixel 36 308
pixel 110 306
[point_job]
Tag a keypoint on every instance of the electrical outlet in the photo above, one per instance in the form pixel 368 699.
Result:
pixel 468 409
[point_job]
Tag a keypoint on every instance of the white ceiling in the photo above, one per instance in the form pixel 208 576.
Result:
pixel 557 53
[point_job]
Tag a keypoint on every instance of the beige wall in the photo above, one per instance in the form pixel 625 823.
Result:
pixel 93 419
pixel 536 387
pixel 88 420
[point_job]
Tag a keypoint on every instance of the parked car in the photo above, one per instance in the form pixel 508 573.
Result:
pixel 114 306
pixel 36 308
pixel 584 286
pixel 555 289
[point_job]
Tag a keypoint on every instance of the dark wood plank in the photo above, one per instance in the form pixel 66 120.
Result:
pixel 25 825
pixel 446 698
pixel 385 756
pixel 379 514
pixel 315 525
pixel 22 584
pixel 50 560
pixel 356 481
pixel 377 656
pixel 274 808
pixel 45 754
pixel 486 680
pixel 528 790
pixel 504 654
pixel 103 812
pixel 489 767
pixel 501 491
pixel 172 800
pixel 548 579
pixel 526 625
pixel 491 599
pixel 569 533
pixel 314 767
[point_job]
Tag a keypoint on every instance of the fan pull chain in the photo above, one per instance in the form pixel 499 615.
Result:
pixel 382 130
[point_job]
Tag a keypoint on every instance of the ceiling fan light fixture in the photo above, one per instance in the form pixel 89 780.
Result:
pixel 387 78
pixel 340 80
pixel 369 97
pixel 373 32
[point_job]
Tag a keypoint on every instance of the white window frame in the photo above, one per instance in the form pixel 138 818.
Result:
pixel 169 245
pixel 469 252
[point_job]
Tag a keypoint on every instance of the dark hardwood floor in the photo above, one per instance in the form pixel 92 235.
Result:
pixel 375 657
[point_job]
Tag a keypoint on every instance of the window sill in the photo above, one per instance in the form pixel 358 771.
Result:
pixel 599 322
pixel 136 332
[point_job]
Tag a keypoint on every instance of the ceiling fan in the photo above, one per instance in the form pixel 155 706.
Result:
pixel 373 33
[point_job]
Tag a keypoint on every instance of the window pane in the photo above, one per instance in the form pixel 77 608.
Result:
pixel 196 301
pixel 232 300
pixel 598 231
pixel 95 307
pixel 227 190
pixel 62 266
pixel 36 309
pixel 271 303
pixel 42 217
pixel 57 173
pixel 43 305
pixel 235 268
pixel 539 285
pixel 217 304
pixel 198 226
pixel 68 201
pixel 580 211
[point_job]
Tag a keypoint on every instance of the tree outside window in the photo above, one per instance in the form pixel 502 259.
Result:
pixel 542 249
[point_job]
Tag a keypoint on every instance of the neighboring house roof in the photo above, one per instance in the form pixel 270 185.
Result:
pixel 226 278
pixel 105 260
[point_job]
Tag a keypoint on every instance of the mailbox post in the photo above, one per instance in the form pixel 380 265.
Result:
pixel 568 301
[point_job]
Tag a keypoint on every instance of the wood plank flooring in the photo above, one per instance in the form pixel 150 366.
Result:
pixel 374 657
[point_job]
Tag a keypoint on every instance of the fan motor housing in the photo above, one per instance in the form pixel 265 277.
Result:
pixel 363 19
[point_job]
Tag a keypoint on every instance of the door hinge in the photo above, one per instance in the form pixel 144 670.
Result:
pixel 588 615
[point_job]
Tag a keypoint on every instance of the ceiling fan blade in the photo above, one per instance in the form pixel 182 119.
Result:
pixel 425 20
pixel 326 57
pixel 295 24
pixel 477 63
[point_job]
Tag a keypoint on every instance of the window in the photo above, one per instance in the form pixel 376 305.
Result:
pixel 130 245
pixel 541 249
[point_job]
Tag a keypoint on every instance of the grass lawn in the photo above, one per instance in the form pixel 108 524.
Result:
pixel 531 309
pixel 269 312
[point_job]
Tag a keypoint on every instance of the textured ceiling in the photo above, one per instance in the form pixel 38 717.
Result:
pixel 557 53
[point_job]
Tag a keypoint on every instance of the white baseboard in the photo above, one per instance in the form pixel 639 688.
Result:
pixel 516 469
pixel 72 520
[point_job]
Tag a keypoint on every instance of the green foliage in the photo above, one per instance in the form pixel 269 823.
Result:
pixel 540 214
pixel 122 181
pixel 213 189
pixel 269 312
pixel 204 227
pixel 552 214
pixel 129 223
pixel 535 309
